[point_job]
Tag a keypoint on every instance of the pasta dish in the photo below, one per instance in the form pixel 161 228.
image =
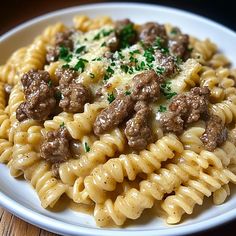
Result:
pixel 120 117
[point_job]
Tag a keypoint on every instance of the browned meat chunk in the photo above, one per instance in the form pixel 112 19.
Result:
pixel 171 122
pixel 52 54
pixel 74 97
pixel 215 133
pixel 114 114
pixel 61 39
pixel 167 66
pixel 145 86
pixel 191 105
pixel 64 39
pixel 65 76
pixel 125 32
pixel 137 130
pixel 113 42
pixel 55 148
pixel 20 112
pixel 186 108
pixel 150 31
pixel 39 93
pixel 179 43
pixel 120 24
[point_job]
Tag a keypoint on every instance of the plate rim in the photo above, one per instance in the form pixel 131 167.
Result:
pixel 61 227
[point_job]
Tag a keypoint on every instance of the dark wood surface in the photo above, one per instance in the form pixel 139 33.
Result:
pixel 14 12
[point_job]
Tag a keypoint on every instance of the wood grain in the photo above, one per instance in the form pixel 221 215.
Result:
pixel 11 225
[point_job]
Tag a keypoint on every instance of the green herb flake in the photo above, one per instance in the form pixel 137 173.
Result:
pixel 178 60
pixel 80 65
pixel 159 44
pixel 97 59
pixel 162 108
pixel 127 92
pixel 62 125
pixel 160 70
pixel 124 68
pixel 86 147
pixel 166 90
pixel 64 54
pixel 80 49
pixel 174 31
pixel 97 36
pixel 50 83
pixel 113 64
pixel 148 54
pixel 103 44
pixel 58 95
pixel 190 49
pixel 126 35
pixel 92 76
pixel 121 56
pixel 134 52
pixel 110 97
pixel 103 33
pixel 65 66
pixel 109 73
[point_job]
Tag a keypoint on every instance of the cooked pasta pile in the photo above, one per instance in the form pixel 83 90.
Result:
pixel 117 116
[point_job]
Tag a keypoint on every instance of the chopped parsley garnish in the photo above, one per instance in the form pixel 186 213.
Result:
pixel 86 147
pixel 80 49
pixel 178 60
pixel 109 73
pixel 50 83
pixel 65 66
pixel 148 54
pixel 166 90
pixel 121 56
pixel 134 52
pixel 62 125
pixel 64 54
pixel 113 64
pixel 127 92
pixel 58 95
pixel 133 59
pixel 126 35
pixel 160 70
pixel 159 44
pixel 97 59
pixel 174 31
pixel 103 44
pixel 190 49
pixel 92 75
pixel 110 97
pixel 80 65
pixel 125 68
pixel 103 33
pixel 162 108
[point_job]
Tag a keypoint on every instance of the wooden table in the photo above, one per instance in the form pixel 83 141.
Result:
pixel 14 12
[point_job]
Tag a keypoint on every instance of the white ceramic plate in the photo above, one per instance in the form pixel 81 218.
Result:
pixel 19 198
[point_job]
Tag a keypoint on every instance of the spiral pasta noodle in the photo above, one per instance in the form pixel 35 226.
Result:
pixel 82 123
pixel 106 176
pixel 153 188
pixel 203 50
pixel 193 192
pixel 84 23
pixel 26 160
pixel 105 147
pixel 188 77
pixel 226 110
